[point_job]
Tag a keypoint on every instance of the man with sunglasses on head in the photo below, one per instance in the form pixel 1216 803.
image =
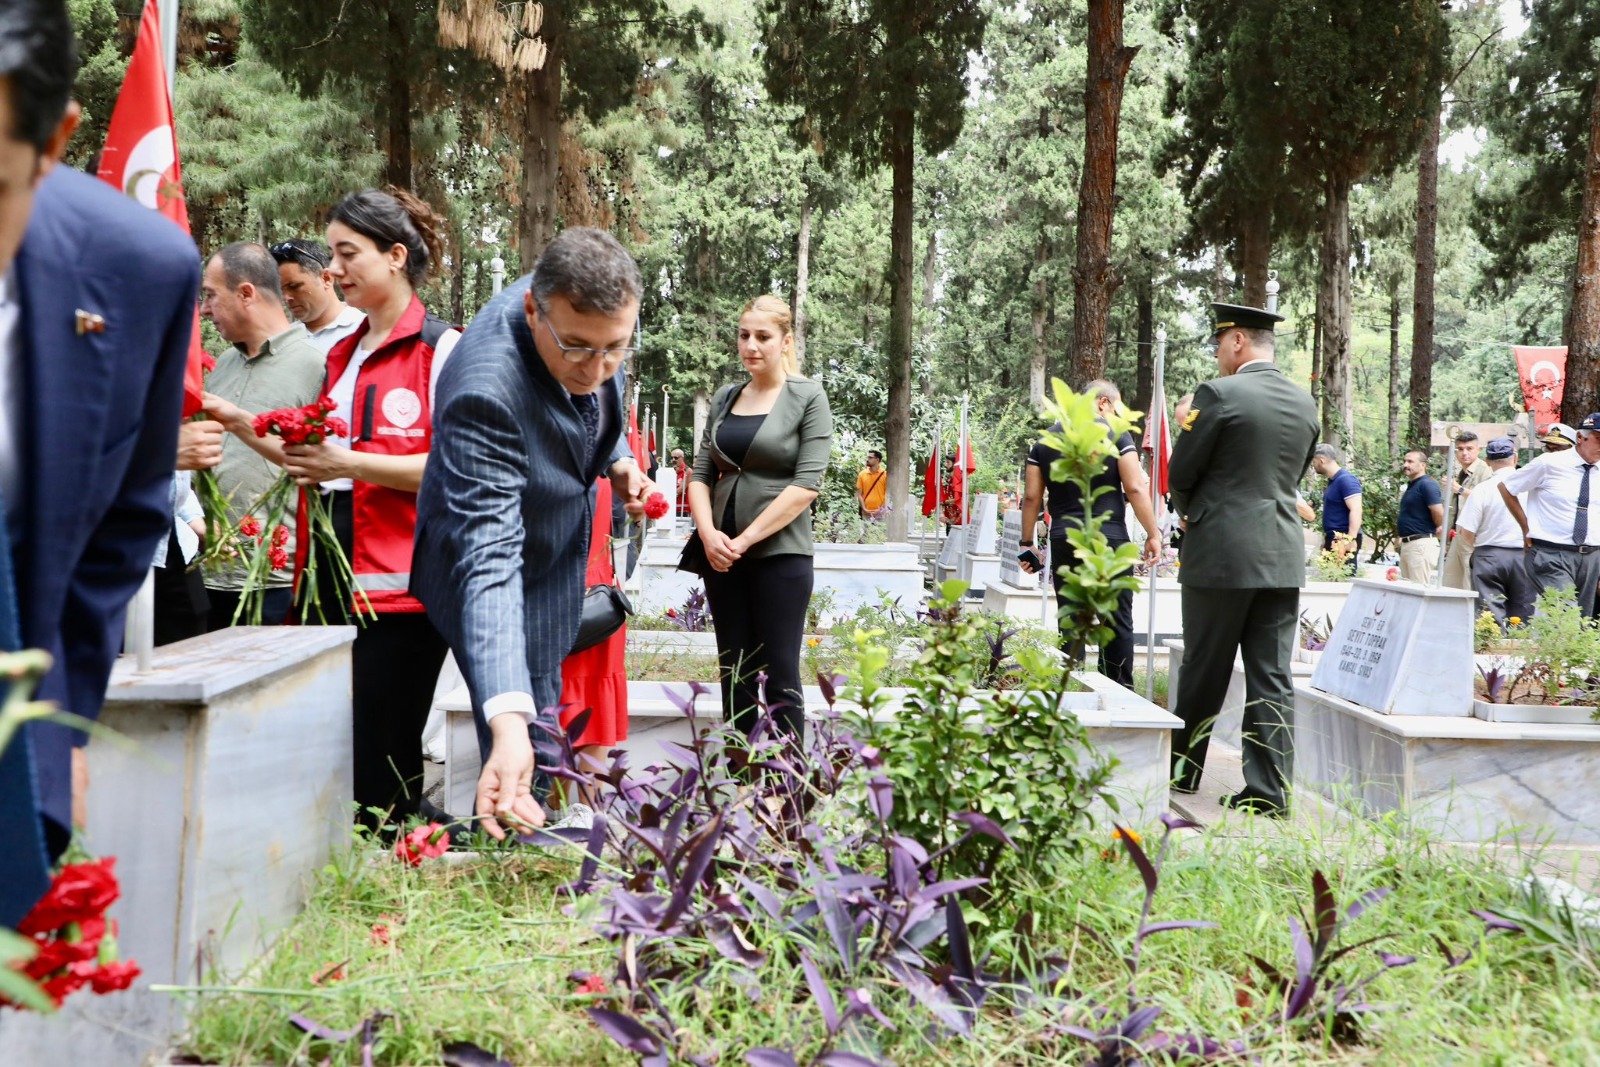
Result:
pixel 310 294
pixel 528 414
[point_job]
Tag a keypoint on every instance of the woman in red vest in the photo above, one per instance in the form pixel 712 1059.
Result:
pixel 381 381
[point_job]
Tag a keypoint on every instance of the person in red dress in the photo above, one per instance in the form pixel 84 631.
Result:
pixel 596 678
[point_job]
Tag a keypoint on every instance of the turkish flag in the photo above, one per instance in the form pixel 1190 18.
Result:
pixel 930 483
pixel 141 159
pixel 635 438
pixel 1543 372
pixel 1158 442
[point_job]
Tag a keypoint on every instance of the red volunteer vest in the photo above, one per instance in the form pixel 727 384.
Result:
pixel 390 416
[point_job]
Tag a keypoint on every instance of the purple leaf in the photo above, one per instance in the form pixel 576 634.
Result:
pixel 1177 924
pixel 820 993
pixel 319 1030
pixel 825 683
pixel 1391 960
pixel 960 944
pixel 982 824
pixel 769 901
pixel 725 938
pixel 1140 860
pixel 945 888
pixel 1177 822
pixel 626 1031
pixel 1138 1022
pixel 769 1057
pixel 1304 957
pixel 1365 901
pixel 1495 922
pixel 1327 909
pixel 591 858
pixel 880 797
pixel 839 925
pixel 466 1054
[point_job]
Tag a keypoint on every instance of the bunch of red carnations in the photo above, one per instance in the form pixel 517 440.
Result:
pixel 74 944
pixel 265 555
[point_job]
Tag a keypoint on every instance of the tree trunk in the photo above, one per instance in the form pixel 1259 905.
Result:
pixel 458 276
pixel 1255 254
pixel 1144 376
pixel 1420 430
pixel 802 278
pixel 1583 318
pixel 1334 311
pixel 541 144
pixel 1040 312
pixel 1316 359
pixel 1394 368
pixel 397 171
pixel 902 283
pixel 1094 279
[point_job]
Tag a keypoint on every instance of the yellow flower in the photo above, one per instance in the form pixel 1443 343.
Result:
pixel 813 642
pixel 1515 620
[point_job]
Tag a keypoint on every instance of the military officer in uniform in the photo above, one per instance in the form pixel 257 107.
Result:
pixel 1247 441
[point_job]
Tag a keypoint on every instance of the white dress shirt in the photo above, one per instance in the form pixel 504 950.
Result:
pixel 343 394
pixel 337 330
pixel 1486 517
pixel 1551 483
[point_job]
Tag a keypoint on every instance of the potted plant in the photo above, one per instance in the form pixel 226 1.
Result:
pixel 1551 673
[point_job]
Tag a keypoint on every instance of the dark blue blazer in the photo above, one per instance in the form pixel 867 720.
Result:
pixel 506 507
pixel 97 438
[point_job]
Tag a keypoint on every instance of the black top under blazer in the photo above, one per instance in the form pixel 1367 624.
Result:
pixel 790 448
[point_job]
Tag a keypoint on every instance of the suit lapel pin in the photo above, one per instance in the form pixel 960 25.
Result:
pixel 89 322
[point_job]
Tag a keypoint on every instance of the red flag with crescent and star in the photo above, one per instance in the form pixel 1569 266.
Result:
pixel 1543 372
pixel 141 160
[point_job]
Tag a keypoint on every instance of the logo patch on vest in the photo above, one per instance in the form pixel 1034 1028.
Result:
pixel 401 407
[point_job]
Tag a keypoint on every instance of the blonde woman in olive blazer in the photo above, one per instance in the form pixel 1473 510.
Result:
pixel 758 468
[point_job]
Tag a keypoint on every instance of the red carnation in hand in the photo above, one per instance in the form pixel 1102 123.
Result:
pixel 280 536
pixel 278 557
pixel 425 842
pixel 655 506
pixel 79 893
pixel 250 527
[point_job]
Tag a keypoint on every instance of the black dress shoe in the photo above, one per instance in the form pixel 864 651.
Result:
pixel 1254 805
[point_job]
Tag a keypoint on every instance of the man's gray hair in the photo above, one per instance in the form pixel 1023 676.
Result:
pixel 590 268
pixel 1263 339
pixel 246 261
pixel 1104 387
pixel 1327 451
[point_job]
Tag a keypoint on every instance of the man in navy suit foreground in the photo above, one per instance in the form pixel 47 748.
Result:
pixel 96 303
pixel 529 412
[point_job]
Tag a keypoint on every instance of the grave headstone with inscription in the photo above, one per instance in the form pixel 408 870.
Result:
pixel 1401 649
pixel 980 564
pixel 1011 571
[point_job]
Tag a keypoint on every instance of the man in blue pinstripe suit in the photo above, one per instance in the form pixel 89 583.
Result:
pixel 528 413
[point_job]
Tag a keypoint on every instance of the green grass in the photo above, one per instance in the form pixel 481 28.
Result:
pixel 482 953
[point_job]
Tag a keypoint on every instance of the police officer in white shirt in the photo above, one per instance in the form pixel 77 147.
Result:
pixel 1499 570
pixel 1560 527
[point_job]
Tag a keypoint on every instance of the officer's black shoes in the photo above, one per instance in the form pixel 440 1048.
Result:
pixel 1253 805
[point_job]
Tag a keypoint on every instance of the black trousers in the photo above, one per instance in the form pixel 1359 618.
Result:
pixel 1217 625
pixel 394 667
pixel 181 601
pixel 275 607
pixel 758 607
pixel 1116 654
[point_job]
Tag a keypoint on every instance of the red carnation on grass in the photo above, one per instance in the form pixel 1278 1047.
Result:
pixel 1393 574
pixel 250 527
pixel 333 972
pixel 593 984
pixel 655 506
pixel 425 842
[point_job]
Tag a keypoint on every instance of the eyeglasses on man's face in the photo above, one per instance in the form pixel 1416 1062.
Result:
pixel 576 354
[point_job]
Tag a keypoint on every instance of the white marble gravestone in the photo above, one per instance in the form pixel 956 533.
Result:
pixel 980 525
pixel 950 551
pixel 1011 572
pixel 667 486
pixel 1401 649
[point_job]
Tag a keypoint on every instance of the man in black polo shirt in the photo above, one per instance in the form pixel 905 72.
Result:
pixel 1124 483
pixel 1421 521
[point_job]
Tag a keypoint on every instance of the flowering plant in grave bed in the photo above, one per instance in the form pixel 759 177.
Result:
pixel 1551 658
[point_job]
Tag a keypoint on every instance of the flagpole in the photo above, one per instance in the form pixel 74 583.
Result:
pixel 167 11
pixel 1156 419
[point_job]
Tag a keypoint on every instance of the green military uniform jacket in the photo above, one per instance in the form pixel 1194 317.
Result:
pixel 1245 447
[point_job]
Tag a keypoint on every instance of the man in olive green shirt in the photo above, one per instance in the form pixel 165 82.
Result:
pixel 1246 443
pixel 271 364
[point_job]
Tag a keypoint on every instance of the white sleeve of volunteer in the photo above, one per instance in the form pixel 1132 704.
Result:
pixel 510 704
pixel 447 344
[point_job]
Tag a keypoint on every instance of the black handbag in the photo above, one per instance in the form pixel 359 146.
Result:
pixel 694 559
pixel 605 609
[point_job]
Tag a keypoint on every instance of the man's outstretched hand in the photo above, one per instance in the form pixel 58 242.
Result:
pixel 505 786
